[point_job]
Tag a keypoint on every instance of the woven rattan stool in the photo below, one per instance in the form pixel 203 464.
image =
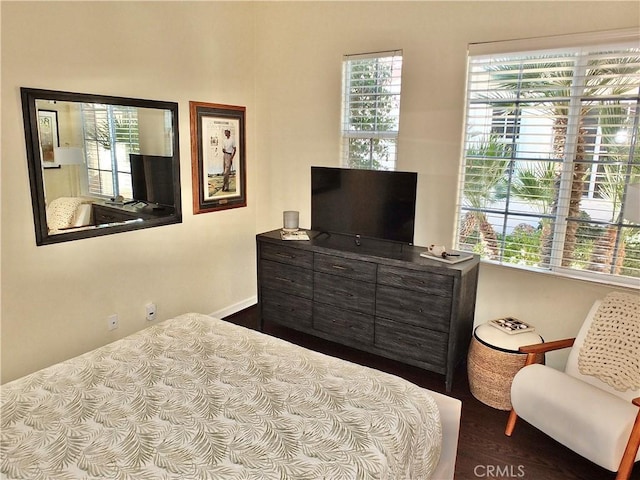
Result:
pixel 493 361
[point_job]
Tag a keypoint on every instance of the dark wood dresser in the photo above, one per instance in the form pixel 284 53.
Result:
pixel 380 297
pixel 104 213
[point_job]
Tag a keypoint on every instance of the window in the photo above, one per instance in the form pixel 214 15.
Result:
pixel 110 135
pixel 371 109
pixel 552 160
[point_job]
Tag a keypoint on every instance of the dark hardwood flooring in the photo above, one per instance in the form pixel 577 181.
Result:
pixel 484 451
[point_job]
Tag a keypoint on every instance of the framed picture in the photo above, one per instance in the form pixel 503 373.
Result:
pixel 218 165
pixel 49 137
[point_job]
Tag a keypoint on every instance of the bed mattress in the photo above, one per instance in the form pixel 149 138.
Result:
pixel 199 398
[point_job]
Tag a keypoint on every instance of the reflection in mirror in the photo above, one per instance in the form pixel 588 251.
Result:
pixel 100 164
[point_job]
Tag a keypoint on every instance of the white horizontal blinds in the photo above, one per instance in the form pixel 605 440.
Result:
pixel 623 36
pixel 110 135
pixel 549 154
pixel 371 109
pixel 97 149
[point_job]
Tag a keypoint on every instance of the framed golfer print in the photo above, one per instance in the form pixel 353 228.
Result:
pixel 218 157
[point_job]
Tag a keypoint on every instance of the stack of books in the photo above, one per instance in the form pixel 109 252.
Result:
pixel 511 325
pixel 294 235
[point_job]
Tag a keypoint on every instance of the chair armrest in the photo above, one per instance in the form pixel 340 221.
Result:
pixel 533 350
pixel 547 346
pixel 631 450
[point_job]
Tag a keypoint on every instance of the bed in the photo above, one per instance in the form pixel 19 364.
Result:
pixel 196 397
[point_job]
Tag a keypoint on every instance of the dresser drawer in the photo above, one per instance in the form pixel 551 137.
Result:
pixel 431 283
pixel 102 214
pixel 345 267
pixel 422 310
pixel 344 293
pixel 288 310
pixel 286 254
pixel 353 327
pixel 285 278
pixel 414 342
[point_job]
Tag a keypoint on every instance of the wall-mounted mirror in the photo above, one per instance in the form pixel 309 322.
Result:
pixel 100 164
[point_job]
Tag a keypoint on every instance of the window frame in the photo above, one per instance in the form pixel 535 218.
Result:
pixel 378 140
pixel 560 219
pixel 109 115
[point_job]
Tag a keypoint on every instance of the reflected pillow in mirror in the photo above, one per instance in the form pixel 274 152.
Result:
pixel 62 213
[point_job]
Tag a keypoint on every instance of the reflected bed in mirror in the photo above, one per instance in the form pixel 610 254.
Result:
pixel 100 164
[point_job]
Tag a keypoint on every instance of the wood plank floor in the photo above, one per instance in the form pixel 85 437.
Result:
pixel 483 450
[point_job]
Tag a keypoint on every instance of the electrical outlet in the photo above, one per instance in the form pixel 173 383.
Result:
pixel 112 321
pixel 150 308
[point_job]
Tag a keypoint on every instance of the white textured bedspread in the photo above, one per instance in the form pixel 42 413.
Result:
pixel 199 398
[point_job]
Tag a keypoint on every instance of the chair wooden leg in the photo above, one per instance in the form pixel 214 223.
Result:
pixel 511 423
pixel 630 452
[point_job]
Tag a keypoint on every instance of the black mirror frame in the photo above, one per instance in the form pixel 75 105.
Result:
pixel 30 118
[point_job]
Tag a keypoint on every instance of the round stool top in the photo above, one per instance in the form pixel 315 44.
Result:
pixel 494 338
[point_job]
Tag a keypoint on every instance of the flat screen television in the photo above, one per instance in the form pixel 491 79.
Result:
pixel 369 203
pixel 152 179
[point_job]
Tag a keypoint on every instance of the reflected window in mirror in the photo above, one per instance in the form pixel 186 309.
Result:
pixel 99 164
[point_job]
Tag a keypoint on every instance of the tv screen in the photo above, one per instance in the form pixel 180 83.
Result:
pixel 152 179
pixel 370 203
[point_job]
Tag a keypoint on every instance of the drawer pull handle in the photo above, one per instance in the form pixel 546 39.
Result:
pixel 284 279
pixel 339 267
pixel 285 255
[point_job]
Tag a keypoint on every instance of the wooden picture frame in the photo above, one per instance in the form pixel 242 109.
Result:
pixel 49 136
pixel 218 157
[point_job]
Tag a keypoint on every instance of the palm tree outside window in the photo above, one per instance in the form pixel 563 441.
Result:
pixel 551 150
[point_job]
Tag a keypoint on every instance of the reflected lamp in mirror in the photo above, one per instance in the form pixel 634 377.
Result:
pixel 68 156
pixel 632 203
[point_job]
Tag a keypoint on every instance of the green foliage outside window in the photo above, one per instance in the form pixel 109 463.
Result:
pixel 372 102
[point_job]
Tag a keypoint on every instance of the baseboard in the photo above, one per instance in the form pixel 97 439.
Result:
pixel 235 308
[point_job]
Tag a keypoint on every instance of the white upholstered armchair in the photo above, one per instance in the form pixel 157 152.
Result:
pixel 591 407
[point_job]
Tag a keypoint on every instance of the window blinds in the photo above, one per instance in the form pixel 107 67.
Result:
pixel 111 133
pixel 371 109
pixel 550 157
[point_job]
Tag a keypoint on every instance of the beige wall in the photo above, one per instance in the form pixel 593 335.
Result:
pixel 283 62
pixel 56 298
pixel 298 112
